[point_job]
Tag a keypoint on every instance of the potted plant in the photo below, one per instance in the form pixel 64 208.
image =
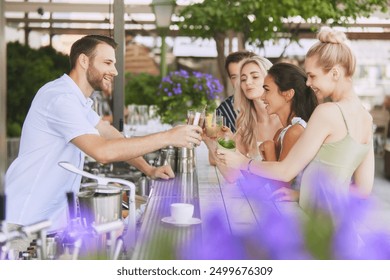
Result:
pixel 182 89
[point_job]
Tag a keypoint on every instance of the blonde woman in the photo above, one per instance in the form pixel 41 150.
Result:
pixel 254 125
pixel 337 142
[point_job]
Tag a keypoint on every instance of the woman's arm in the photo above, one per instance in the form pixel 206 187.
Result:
pixel 364 175
pixel 290 138
pixel 231 175
pixel 268 150
pixel 211 146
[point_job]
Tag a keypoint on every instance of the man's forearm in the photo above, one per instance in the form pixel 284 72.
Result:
pixel 141 164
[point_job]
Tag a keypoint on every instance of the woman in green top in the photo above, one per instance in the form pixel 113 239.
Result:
pixel 337 141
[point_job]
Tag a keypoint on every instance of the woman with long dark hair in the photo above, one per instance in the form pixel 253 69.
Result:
pixel 287 95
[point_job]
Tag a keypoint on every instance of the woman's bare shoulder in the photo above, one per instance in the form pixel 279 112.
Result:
pixel 294 132
pixel 367 115
pixel 324 111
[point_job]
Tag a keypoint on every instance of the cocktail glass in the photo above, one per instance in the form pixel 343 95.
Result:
pixel 227 143
pixel 213 125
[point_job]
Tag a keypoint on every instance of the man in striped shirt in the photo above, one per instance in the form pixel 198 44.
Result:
pixel 232 66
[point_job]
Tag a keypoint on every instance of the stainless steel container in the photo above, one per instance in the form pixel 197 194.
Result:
pixel 184 152
pixel 186 165
pixel 171 158
pixel 167 156
pixel 99 205
pixel 143 186
pixel 185 160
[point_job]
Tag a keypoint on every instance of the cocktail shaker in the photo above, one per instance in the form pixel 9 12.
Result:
pixel 185 160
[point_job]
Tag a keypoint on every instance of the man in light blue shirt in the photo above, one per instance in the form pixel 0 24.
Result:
pixel 62 126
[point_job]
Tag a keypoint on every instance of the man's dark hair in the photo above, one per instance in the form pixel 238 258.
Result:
pixel 87 45
pixel 236 57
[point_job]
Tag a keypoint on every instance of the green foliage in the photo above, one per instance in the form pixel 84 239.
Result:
pixel 13 129
pixel 181 90
pixel 261 20
pixel 141 89
pixel 27 70
pixel 207 18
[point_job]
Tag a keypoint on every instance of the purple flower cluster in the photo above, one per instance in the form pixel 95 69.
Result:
pixel 193 83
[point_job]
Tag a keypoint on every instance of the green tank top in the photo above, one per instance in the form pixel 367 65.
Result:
pixel 331 171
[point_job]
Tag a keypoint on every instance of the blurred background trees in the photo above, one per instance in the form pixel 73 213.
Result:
pixel 252 22
pixel 257 21
pixel 27 70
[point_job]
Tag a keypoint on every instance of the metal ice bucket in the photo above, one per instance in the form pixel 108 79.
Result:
pixel 98 205
pixel 103 203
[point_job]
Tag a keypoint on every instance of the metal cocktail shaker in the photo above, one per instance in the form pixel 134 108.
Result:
pixel 143 186
pixel 167 156
pixel 185 160
pixel 171 158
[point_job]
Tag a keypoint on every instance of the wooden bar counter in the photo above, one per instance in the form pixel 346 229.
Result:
pixel 206 189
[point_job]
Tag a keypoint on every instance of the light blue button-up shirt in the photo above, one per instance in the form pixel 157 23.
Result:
pixel 35 184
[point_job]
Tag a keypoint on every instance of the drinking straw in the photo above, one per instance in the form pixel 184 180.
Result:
pixel 234 134
pixel 196 119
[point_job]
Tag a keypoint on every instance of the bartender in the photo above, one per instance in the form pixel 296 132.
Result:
pixel 62 126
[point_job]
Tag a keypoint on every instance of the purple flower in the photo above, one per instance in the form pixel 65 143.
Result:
pixel 181 82
pixel 217 243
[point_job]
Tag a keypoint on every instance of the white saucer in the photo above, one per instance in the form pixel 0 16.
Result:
pixel 170 220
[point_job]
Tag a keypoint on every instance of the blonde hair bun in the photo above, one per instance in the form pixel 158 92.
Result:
pixel 329 35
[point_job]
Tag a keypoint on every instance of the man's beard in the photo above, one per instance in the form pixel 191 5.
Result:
pixel 96 80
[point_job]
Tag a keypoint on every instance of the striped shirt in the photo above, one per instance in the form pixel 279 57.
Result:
pixel 226 109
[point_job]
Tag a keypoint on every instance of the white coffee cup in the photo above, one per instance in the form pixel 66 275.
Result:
pixel 182 212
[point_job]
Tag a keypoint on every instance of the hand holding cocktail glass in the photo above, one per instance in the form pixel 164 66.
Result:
pixel 196 117
pixel 184 135
pixel 230 156
pixel 214 125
